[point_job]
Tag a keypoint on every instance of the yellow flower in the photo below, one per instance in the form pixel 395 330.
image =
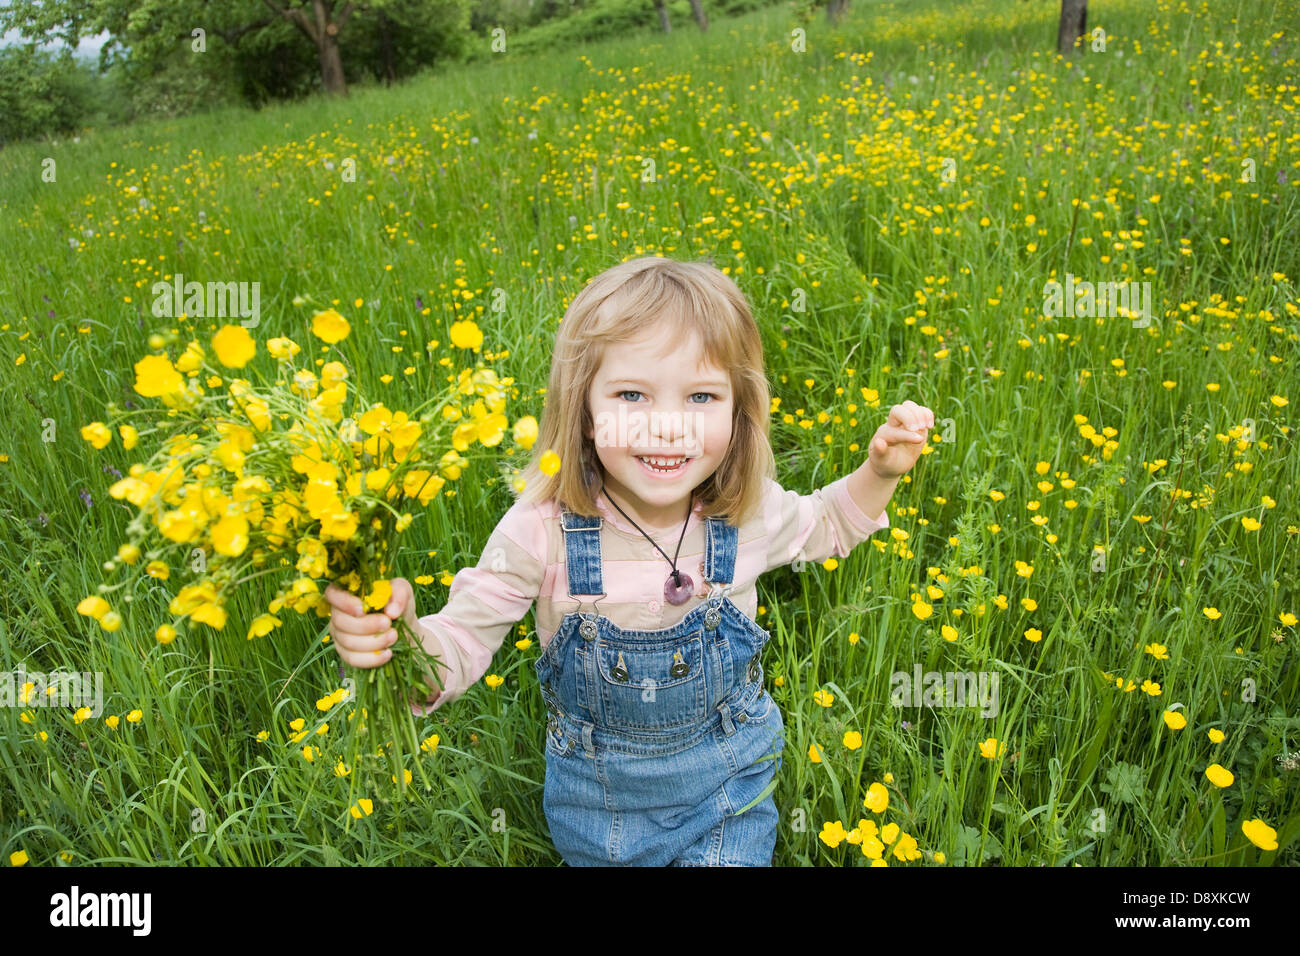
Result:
pixel 833 834
pixel 906 850
pixel 1151 687
pixel 157 569
pixel 877 798
pixel 262 625
pixel 889 833
pixel 1278 400
pixel 234 346
pixel 81 714
pixel 362 806
pixel 549 463
pixel 329 326
pixel 1250 524
pixel 921 609
pixel 93 606
pixel 165 634
pixel 824 697
pixel 991 749
pixel 283 348
pixel 341 769
pixel 18 858
pixel 191 360
pixel 466 335
pixel 375 420
pixel 1260 833
pixel 1174 720
pixel 309 753
pixel 1215 735
pixel 134 717
pixel 1033 634
pixel 949 632
pixel 211 614
pixel 1029 604
pixel 230 535
pixel 429 744
pixel 1287 618
pixel 97 433
pixel 155 376
pixel 380 593
pixel 525 431
pixel 852 739
pixel 493 681
pixel 1212 613
pixel 111 621
pixel 112 722
pixel 406 775
pixel 129 553
pixel 1158 651
pixel 814 754
pixel 1219 776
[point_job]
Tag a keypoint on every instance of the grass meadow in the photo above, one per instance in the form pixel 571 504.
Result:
pixel 1105 517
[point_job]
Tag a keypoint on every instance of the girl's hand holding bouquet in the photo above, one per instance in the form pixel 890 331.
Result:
pixel 365 640
pixel 296 476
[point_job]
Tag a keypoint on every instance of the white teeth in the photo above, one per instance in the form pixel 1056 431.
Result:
pixel 664 463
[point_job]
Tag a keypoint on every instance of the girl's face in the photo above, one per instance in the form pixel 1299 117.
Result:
pixel 657 397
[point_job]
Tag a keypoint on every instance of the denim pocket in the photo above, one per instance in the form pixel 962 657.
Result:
pixel 652 685
pixel 760 709
pixel 558 743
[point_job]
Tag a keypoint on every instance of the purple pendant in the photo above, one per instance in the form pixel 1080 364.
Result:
pixel 678 593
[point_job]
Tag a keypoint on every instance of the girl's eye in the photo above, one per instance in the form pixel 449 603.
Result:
pixel 634 392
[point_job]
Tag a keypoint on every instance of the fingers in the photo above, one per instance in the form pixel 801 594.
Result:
pixel 891 435
pixel 363 661
pixel 911 416
pixel 361 640
pixel 403 598
pixel 345 602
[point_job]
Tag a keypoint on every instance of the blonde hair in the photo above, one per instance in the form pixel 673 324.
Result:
pixel 619 305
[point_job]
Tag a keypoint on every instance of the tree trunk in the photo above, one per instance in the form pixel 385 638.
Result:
pixel 324 34
pixel 835 10
pixel 386 47
pixel 331 64
pixel 1074 22
pixel 663 16
pixel 701 18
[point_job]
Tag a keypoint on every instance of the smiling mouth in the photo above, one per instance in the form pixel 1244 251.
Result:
pixel 662 465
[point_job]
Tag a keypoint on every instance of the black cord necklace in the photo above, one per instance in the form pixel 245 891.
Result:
pixel 679 587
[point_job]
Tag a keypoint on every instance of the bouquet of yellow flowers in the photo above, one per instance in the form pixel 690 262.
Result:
pixel 233 494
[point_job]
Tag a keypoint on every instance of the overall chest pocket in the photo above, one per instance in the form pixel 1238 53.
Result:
pixel 652 686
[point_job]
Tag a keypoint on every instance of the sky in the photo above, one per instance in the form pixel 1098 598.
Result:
pixel 87 49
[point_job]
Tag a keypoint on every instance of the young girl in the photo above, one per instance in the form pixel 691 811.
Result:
pixel 642 554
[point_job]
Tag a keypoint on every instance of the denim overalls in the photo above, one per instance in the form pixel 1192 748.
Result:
pixel 657 740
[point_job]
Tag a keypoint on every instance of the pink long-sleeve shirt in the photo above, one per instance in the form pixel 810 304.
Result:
pixel 524 561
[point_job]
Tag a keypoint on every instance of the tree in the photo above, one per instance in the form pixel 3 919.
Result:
pixel 150 29
pixel 701 18
pixel 1073 24
pixel 662 7
pixel 323 28
pixel 835 10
